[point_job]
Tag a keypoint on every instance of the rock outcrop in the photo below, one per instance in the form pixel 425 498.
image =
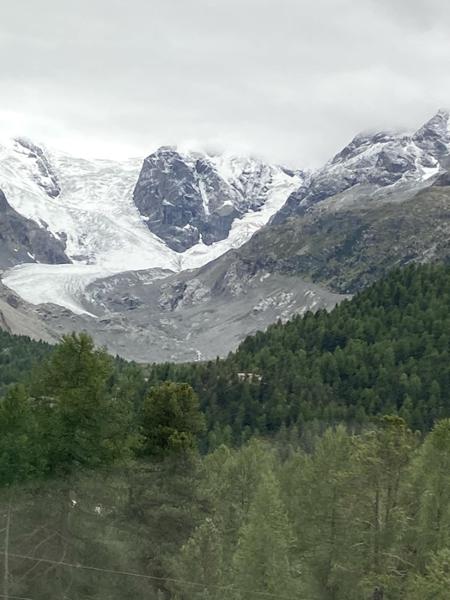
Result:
pixel 23 241
pixel 190 197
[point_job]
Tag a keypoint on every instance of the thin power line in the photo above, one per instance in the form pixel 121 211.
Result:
pixel 133 574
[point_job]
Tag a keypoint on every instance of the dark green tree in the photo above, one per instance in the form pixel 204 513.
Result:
pixel 171 419
pixel 20 453
pixel 85 426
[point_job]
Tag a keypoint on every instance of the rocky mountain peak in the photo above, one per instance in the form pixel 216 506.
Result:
pixel 373 161
pixel 363 142
pixel 434 136
pixel 190 197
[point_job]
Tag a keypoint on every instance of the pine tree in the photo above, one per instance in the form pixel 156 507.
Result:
pixel 262 560
pixel 20 454
pixel 231 480
pixel 435 583
pixel 84 425
pixel 432 475
pixel 318 489
pixel 381 459
pixel 200 565
pixel 171 419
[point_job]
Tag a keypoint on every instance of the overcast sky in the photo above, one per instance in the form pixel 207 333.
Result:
pixel 290 80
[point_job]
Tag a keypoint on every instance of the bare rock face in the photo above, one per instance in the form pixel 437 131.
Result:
pixel 434 136
pixel 22 240
pixel 373 162
pixel 185 198
pixel 194 315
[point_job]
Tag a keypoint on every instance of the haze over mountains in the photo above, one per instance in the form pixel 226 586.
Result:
pixel 158 259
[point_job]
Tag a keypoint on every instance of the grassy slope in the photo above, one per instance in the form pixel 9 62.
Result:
pixel 348 249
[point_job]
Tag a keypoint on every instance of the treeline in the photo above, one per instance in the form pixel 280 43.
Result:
pixel 386 351
pixel 336 516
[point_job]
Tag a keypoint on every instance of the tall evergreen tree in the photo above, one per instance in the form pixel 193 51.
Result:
pixel 434 584
pixel 86 427
pixel 262 562
pixel 21 456
pixel 432 479
pixel 200 567
pixel 171 419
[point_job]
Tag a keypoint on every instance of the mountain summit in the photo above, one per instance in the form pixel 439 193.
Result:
pixel 381 162
pixel 191 198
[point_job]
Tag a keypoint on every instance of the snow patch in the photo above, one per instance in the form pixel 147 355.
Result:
pixel 201 185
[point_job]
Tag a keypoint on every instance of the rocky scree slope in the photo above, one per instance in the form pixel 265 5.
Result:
pixel 348 248
pixel 193 315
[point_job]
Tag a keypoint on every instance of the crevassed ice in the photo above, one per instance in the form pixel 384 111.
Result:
pixel 105 234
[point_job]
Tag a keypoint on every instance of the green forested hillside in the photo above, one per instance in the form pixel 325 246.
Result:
pixel 350 248
pixel 103 493
pixel 17 356
pixel 385 351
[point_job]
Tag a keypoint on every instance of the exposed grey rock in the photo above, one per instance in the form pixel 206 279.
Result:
pixel 191 316
pixel 434 136
pixel 443 180
pixel 185 197
pixel 23 241
pixel 347 248
pixel 195 315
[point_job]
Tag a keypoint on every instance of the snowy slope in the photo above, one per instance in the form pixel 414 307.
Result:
pixel 371 162
pixel 243 229
pixel 89 205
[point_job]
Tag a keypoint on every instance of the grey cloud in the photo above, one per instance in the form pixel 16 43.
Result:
pixel 288 79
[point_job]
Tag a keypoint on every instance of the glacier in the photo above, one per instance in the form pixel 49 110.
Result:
pixel 91 208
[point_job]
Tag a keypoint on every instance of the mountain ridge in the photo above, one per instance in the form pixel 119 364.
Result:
pixel 193 251
pixel 381 160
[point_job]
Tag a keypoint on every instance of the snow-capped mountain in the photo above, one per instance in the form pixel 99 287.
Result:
pixel 190 198
pixel 382 162
pixel 136 252
pixel 90 208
